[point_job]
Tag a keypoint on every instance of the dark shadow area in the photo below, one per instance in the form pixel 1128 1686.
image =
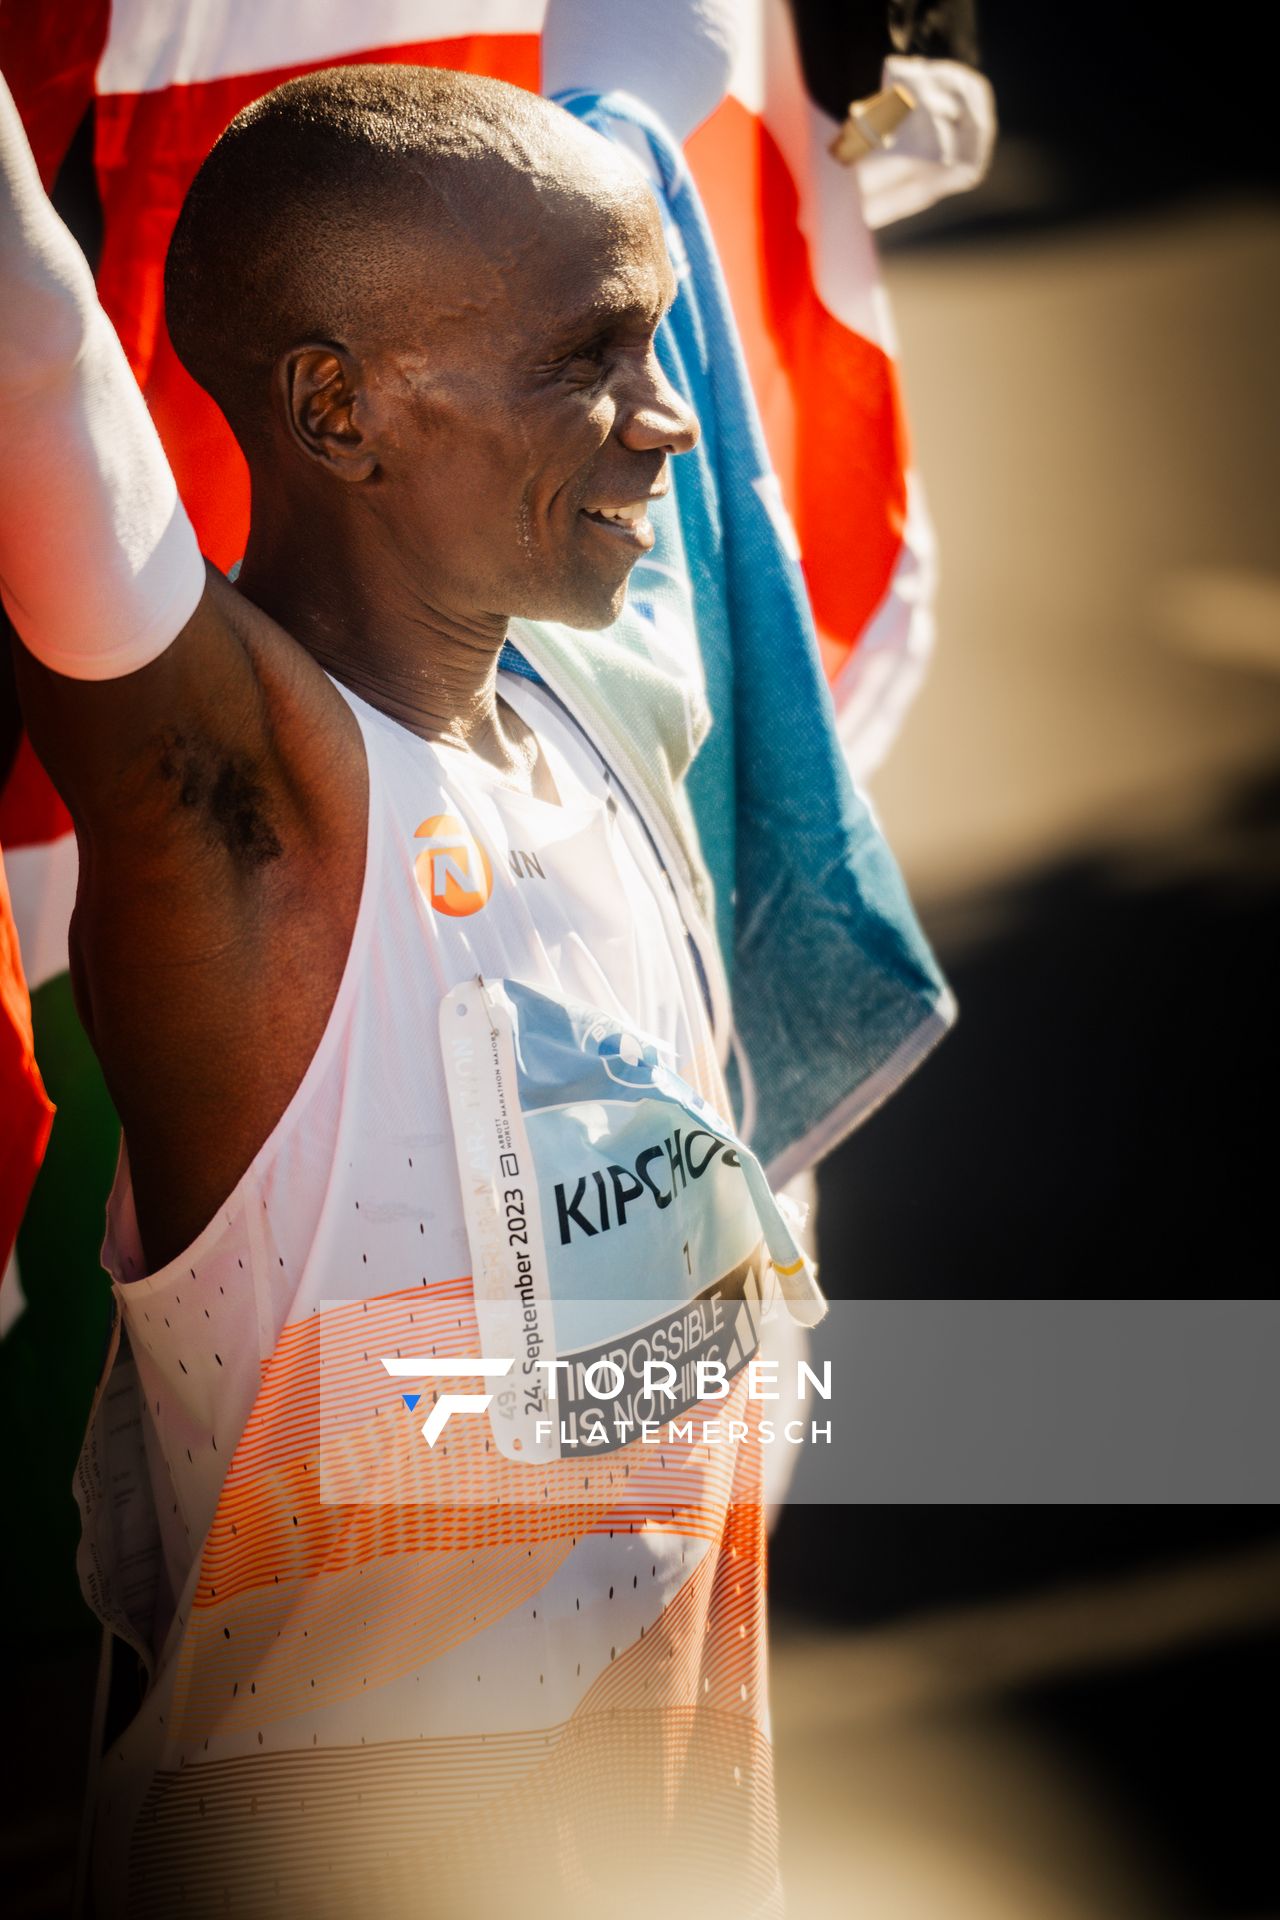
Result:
pixel 1098 1125
pixel 1108 111
pixel 1180 1751
pixel 75 191
pixel 1173 1747
pixel 884 1564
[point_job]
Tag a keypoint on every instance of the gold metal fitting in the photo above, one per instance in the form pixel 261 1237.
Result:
pixel 871 124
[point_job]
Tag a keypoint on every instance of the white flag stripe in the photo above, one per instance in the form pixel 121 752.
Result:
pixel 155 43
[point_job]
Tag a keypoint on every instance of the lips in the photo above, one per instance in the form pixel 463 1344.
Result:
pixel 629 515
pixel 627 522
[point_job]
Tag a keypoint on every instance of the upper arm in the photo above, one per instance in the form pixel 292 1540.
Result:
pixel 219 799
pixel 205 765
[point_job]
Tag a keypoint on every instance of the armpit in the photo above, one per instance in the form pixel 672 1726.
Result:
pixel 223 788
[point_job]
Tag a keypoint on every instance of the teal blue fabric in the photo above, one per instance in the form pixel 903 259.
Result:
pixel 836 993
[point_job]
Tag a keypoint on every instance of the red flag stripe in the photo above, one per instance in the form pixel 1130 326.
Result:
pixel 48 56
pixel 30 811
pixel 828 395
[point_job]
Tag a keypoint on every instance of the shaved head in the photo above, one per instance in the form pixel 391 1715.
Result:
pixel 298 223
pixel 427 304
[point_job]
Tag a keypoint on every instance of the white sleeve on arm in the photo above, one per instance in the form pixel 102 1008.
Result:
pixel 99 566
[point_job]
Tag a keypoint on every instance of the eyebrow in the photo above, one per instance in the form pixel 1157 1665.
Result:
pixel 603 312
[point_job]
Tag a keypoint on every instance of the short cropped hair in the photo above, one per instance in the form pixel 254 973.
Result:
pixel 293 229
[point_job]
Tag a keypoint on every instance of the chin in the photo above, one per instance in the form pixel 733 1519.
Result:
pixel 593 619
pixel 586 605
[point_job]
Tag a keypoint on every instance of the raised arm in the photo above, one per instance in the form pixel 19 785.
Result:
pixel 98 561
pixel 99 568
pixel 214 777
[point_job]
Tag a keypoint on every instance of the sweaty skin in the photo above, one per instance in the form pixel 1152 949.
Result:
pixel 414 488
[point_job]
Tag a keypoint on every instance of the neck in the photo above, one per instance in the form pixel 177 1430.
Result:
pixel 375 628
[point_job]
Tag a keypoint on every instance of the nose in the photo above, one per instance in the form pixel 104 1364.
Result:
pixel 653 418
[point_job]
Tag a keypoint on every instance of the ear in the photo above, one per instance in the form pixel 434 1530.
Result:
pixel 324 409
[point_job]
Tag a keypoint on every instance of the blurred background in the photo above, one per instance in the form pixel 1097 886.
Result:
pixel 1070 1710
pixel 1038 1713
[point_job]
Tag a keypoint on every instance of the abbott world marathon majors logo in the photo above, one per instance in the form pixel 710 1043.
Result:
pixel 453 868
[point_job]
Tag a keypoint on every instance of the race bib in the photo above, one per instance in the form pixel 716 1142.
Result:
pixel 625 1244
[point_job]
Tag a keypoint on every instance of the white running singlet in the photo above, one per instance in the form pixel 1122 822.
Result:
pixel 349 1713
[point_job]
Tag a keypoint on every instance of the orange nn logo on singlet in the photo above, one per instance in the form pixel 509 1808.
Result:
pixel 453 868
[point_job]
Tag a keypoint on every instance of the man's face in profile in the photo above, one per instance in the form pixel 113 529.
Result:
pixel 527 435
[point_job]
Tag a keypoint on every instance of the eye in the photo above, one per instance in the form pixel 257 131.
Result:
pixel 592 353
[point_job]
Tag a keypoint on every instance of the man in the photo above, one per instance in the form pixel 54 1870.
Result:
pixel 394 534
pixel 310 810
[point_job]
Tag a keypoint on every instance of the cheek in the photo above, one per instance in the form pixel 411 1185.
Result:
pixel 561 438
pixel 500 476
pixel 464 437
pixel 468 476
pixel 593 424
